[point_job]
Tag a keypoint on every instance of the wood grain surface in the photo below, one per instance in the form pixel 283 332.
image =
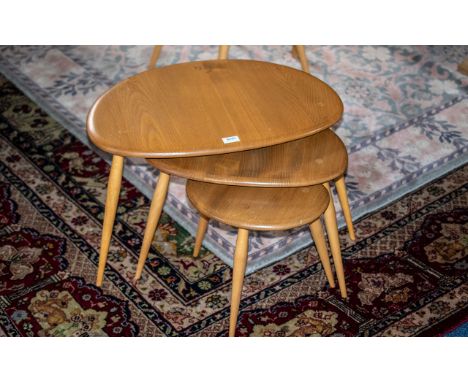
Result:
pixel 312 160
pixel 187 109
pixel 258 208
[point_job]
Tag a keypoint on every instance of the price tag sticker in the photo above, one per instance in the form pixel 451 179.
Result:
pixel 232 139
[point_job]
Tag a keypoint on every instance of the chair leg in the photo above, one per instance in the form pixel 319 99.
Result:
pixel 332 230
pixel 154 56
pixel 300 51
pixel 343 197
pixel 112 200
pixel 157 203
pixel 223 52
pixel 202 226
pixel 316 230
pixel 238 273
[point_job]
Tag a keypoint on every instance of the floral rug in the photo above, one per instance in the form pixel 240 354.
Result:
pixel 406 274
pixel 405 121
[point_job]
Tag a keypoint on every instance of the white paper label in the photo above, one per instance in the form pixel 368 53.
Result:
pixel 232 139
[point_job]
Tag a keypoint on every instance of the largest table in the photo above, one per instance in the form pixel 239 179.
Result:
pixel 203 108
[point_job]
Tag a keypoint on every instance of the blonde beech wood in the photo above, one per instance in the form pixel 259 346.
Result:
pixel 343 197
pixel 317 235
pixel 258 208
pixel 202 226
pixel 313 160
pixel 112 199
pixel 223 52
pixel 157 203
pixel 238 274
pixel 333 239
pixel 186 109
pixel 154 56
pixel 298 51
pixel 316 230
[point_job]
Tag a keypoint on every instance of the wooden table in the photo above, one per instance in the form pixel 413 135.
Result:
pixel 203 108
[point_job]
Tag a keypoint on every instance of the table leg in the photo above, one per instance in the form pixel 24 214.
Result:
pixel 154 56
pixel 343 197
pixel 299 50
pixel 332 230
pixel 157 203
pixel 316 230
pixel 202 226
pixel 112 199
pixel 223 52
pixel 238 274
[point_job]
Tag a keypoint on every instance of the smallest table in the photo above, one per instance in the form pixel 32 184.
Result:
pixel 262 209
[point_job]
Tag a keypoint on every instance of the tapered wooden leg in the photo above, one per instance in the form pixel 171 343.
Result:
pixel 332 230
pixel 157 203
pixel 154 56
pixel 300 51
pixel 317 234
pixel 343 197
pixel 202 226
pixel 112 200
pixel 223 52
pixel 238 273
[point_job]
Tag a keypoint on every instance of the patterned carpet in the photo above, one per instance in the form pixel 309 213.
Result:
pixel 407 274
pixel 405 121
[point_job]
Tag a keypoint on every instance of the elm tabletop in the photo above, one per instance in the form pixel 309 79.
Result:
pixel 211 107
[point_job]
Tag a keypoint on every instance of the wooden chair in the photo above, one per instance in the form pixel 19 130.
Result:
pixel 298 51
pixel 263 209
pixel 317 159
